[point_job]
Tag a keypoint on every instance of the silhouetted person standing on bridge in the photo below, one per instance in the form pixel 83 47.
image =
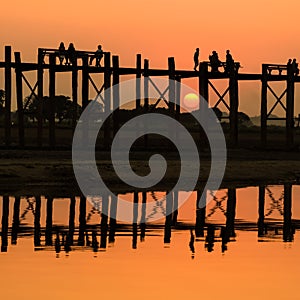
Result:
pixel 61 52
pixel 98 55
pixel 229 62
pixel 70 54
pixel 215 63
pixel 196 59
pixel 295 68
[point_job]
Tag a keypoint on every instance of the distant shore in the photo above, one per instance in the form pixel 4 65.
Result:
pixel 25 172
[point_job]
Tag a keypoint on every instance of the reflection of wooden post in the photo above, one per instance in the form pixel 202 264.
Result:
pixel 113 218
pixel 37 222
pixel 264 109
pixel 40 92
pixel 104 219
pixel 168 222
pixel 261 211
pixel 16 221
pixel 52 62
pixel 175 213
pixel 138 81
pixel 7 89
pixel 230 212
pixel 287 214
pixel 82 220
pixel 143 216
pixel 4 230
pixel 200 215
pixel 134 221
pixel 71 221
pixel 49 219
pixel 19 86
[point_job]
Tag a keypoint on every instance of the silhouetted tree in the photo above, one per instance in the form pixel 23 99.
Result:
pixel 244 119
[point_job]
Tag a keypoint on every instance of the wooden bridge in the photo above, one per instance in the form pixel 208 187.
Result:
pixel 112 71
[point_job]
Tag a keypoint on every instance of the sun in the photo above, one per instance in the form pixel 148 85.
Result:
pixel 191 101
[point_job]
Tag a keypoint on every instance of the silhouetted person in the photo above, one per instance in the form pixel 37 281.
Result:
pixel 98 55
pixel 61 52
pixel 289 66
pixel 229 62
pixel 295 68
pixel 70 54
pixel 215 63
pixel 196 59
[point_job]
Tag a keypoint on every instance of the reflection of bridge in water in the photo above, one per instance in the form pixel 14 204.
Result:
pixel 88 235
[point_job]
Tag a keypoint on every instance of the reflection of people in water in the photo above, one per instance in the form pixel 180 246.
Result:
pixel 196 59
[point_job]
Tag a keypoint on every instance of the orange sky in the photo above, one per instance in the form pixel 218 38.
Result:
pixel 256 31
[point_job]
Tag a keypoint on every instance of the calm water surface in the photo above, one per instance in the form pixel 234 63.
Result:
pixel 68 251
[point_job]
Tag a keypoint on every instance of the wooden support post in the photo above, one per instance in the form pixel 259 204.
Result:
pixel 116 93
pixel 200 215
pixel 71 221
pixel 85 82
pixel 172 93
pixel 107 98
pixel 230 212
pixel 264 106
pixel 82 220
pixel 234 104
pixel 146 84
pixel 7 89
pixel 37 222
pixel 40 78
pixel 74 93
pixel 4 228
pixel 104 220
pixel 52 62
pixel 134 221
pixel 178 94
pixel 143 216
pixel 261 211
pixel 19 87
pixel 290 96
pixel 113 218
pixel 49 221
pixel 16 221
pixel 138 81
pixel 287 214
pixel 168 221
pixel 203 81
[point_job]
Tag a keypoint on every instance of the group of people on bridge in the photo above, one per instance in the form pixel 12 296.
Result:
pixel 70 57
pixel 292 67
pixel 215 62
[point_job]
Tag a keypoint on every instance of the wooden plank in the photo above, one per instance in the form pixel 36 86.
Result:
pixel 19 88
pixel 7 89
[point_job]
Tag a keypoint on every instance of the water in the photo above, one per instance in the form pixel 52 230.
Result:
pixel 168 259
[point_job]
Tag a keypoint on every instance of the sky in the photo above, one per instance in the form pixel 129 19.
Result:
pixel 256 32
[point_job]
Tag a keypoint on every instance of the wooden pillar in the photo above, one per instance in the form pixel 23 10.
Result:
pixel 116 93
pixel 16 221
pixel 113 218
pixel 261 211
pixel 135 218
pixel 49 220
pixel 200 215
pixel 230 212
pixel 264 106
pixel 82 220
pixel 71 221
pixel 7 89
pixel 40 91
pixel 104 219
pixel 146 84
pixel 138 81
pixel 290 95
pixel 19 87
pixel 52 62
pixel 178 94
pixel 107 98
pixel 203 81
pixel 287 214
pixel 168 221
pixel 234 104
pixel 37 222
pixel 172 93
pixel 85 82
pixel 74 93
pixel 143 216
pixel 4 230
